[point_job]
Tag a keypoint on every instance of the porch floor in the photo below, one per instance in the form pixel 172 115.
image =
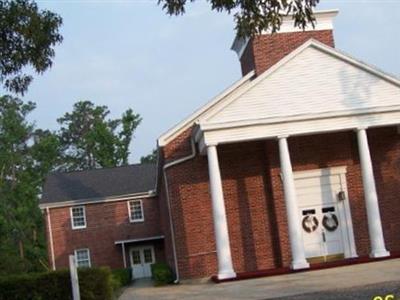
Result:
pixel 300 283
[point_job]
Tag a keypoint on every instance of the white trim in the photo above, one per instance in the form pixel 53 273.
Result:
pixel 166 137
pixel 76 257
pixel 72 217
pixel 149 194
pixel 130 211
pixel 299 118
pixel 298 128
pixel 158 237
pixel 323 21
pixel 49 228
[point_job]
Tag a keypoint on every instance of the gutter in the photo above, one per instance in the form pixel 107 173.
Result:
pixel 53 265
pixel 167 166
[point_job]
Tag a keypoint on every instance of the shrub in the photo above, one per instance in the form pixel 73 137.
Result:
pixel 161 274
pixel 121 277
pixel 95 284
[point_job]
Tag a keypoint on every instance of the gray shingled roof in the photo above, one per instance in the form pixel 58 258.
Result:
pixel 99 183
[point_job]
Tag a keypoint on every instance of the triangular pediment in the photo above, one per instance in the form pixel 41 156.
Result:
pixel 314 79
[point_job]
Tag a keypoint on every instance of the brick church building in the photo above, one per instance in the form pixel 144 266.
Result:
pixel 295 165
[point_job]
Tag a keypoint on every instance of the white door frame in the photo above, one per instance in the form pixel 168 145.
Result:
pixel 343 206
pixel 140 249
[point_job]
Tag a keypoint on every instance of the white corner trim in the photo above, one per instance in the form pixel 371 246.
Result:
pixel 190 120
pixel 50 229
pixel 72 217
pixel 130 212
pixel 323 21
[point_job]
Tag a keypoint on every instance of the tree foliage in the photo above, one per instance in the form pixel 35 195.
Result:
pixel 26 156
pixel 27 39
pixel 254 16
pixel 89 140
pixel 150 158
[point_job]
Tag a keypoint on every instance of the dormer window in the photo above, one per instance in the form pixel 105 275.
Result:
pixel 135 208
pixel 78 217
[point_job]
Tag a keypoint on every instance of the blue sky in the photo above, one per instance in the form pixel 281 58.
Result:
pixel 129 54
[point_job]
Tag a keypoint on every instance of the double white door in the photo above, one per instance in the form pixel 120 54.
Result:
pixel 325 214
pixel 141 260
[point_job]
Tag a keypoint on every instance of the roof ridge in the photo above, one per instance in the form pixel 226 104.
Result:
pixel 100 169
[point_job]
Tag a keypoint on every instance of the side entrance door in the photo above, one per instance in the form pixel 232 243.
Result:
pixel 141 259
pixel 325 214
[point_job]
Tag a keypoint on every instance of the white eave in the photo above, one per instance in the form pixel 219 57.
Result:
pixel 190 120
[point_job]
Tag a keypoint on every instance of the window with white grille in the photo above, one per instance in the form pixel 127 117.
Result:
pixel 78 217
pixel 136 211
pixel 82 257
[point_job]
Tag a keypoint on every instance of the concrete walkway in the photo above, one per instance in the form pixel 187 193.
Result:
pixel 276 286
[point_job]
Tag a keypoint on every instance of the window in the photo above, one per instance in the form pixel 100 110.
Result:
pixel 136 211
pixel 78 217
pixel 82 258
pixel 148 256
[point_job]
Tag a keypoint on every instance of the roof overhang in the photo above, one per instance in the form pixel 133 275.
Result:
pixel 148 194
pixel 131 241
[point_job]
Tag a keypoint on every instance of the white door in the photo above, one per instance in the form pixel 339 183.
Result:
pixel 325 213
pixel 141 260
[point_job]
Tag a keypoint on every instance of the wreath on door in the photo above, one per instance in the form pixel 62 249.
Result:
pixel 310 223
pixel 330 222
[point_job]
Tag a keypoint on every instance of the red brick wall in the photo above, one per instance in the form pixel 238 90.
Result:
pixel 385 151
pixel 106 223
pixel 254 197
pixel 263 51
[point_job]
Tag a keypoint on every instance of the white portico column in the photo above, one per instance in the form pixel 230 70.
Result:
pixel 225 267
pixel 378 248
pixel 295 235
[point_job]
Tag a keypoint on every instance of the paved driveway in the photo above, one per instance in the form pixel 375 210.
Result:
pixel 334 280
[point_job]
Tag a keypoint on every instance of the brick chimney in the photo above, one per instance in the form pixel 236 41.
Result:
pixel 263 51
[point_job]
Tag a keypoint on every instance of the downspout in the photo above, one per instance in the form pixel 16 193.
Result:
pixel 166 166
pixel 53 265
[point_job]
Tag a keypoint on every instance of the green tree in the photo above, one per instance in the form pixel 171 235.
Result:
pixel 26 156
pixel 254 16
pixel 27 39
pixel 150 158
pixel 89 140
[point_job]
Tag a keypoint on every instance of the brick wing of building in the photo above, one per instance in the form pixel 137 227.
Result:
pixel 296 164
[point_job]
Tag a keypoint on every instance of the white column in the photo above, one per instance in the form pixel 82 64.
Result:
pixel 225 266
pixel 377 241
pixel 295 234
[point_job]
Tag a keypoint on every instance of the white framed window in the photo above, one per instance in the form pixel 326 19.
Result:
pixel 82 258
pixel 78 217
pixel 135 208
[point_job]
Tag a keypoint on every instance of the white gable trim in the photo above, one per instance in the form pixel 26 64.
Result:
pixel 190 120
pixel 246 83
pixel 319 46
